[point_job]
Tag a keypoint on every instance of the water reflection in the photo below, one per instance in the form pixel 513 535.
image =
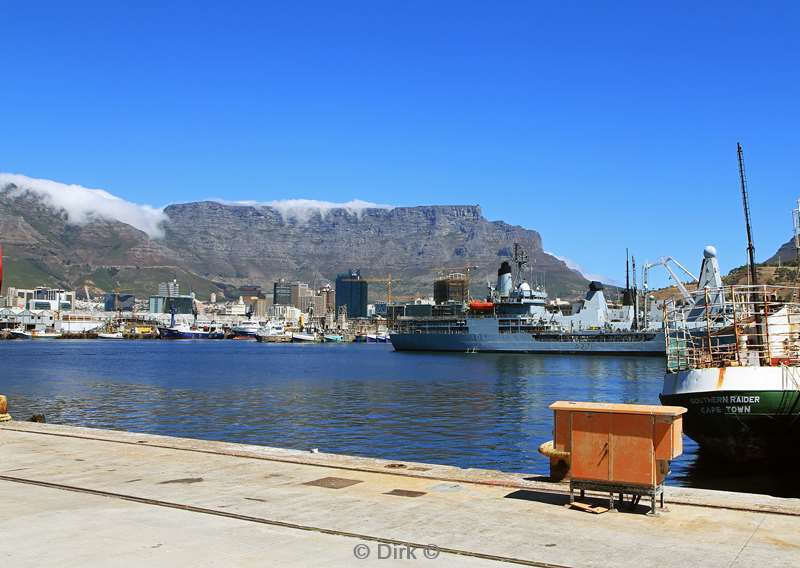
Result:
pixel 470 410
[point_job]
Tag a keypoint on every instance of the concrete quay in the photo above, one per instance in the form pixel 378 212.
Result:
pixel 84 497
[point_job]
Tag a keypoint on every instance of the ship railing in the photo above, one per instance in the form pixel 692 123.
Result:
pixel 734 326
pixel 430 325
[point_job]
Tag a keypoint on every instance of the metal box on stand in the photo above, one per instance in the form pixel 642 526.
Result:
pixel 618 448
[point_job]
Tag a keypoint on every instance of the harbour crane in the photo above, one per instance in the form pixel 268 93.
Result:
pixel 665 261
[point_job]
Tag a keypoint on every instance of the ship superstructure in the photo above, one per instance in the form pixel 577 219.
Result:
pixel 733 360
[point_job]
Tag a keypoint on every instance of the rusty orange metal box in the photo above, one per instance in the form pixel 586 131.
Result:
pixel 626 444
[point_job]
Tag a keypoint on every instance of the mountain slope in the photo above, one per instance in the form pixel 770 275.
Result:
pixel 786 253
pixel 211 246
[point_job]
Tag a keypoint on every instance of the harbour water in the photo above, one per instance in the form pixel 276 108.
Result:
pixel 469 410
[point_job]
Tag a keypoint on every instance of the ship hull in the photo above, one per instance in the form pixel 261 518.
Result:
pixel 739 413
pixel 524 343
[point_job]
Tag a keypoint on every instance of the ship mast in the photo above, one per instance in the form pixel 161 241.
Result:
pixel 627 271
pixel 758 341
pixel 751 249
pixel 520 258
pixel 635 325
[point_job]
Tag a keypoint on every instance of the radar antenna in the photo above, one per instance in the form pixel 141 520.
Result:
pixel 520 258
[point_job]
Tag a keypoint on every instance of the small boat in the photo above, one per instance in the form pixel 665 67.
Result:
pixel 110 335
pixel 377 338
pixel 246 329
pixel 301 337
pixel 273 332
pixel 45 334
pixel 481 306
pixel 34 334
pixel 333 338
pixel 282 338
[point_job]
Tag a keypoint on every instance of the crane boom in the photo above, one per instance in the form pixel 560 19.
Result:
pixel 664 261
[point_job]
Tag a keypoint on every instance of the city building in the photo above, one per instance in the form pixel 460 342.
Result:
pixel 251 291
pixel 317 306
pixel 381 308
pixel 164 304
pixel 284 313
pixel 238 308
pixel 11 318
pixel 351 291
pixel 40 298
pixel 260 308
pixel 451 288
pixel 282 293
pixel 329 297
pixel 301 296
pixel 168 289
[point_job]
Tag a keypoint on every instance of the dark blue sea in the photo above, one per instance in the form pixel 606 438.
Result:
pixel 468 410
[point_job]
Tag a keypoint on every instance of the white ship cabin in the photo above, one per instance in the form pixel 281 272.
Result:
pixel 593 313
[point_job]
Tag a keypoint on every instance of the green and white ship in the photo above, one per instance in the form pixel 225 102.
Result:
pixel 733 360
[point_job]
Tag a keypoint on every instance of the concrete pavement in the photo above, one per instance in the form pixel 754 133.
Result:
pixel 84 497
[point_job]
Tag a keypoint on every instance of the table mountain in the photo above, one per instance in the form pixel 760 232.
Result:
pixel 210 246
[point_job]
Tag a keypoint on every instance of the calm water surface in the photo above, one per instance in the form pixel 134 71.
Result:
pixel 468 410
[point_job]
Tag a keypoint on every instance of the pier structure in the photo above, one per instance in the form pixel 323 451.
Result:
pixel 86 497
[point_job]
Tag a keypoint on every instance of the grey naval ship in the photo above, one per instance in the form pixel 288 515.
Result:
pixel 516 318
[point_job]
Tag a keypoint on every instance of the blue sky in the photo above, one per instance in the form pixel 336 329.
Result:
pixel 601 125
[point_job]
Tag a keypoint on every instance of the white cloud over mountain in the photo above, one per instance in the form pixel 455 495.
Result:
pixel 301 210
pixel 82 204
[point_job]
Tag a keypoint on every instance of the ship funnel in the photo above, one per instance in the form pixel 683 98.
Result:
pixel 504 283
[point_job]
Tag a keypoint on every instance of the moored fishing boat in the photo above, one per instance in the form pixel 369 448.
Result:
pixel 110 335
pixel 733 360
pixel 304 337
pixel 186 331
pixel 21 333
pixel 246 330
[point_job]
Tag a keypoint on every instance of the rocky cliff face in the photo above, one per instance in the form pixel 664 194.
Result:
pixel 216 246
pixel 244 244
